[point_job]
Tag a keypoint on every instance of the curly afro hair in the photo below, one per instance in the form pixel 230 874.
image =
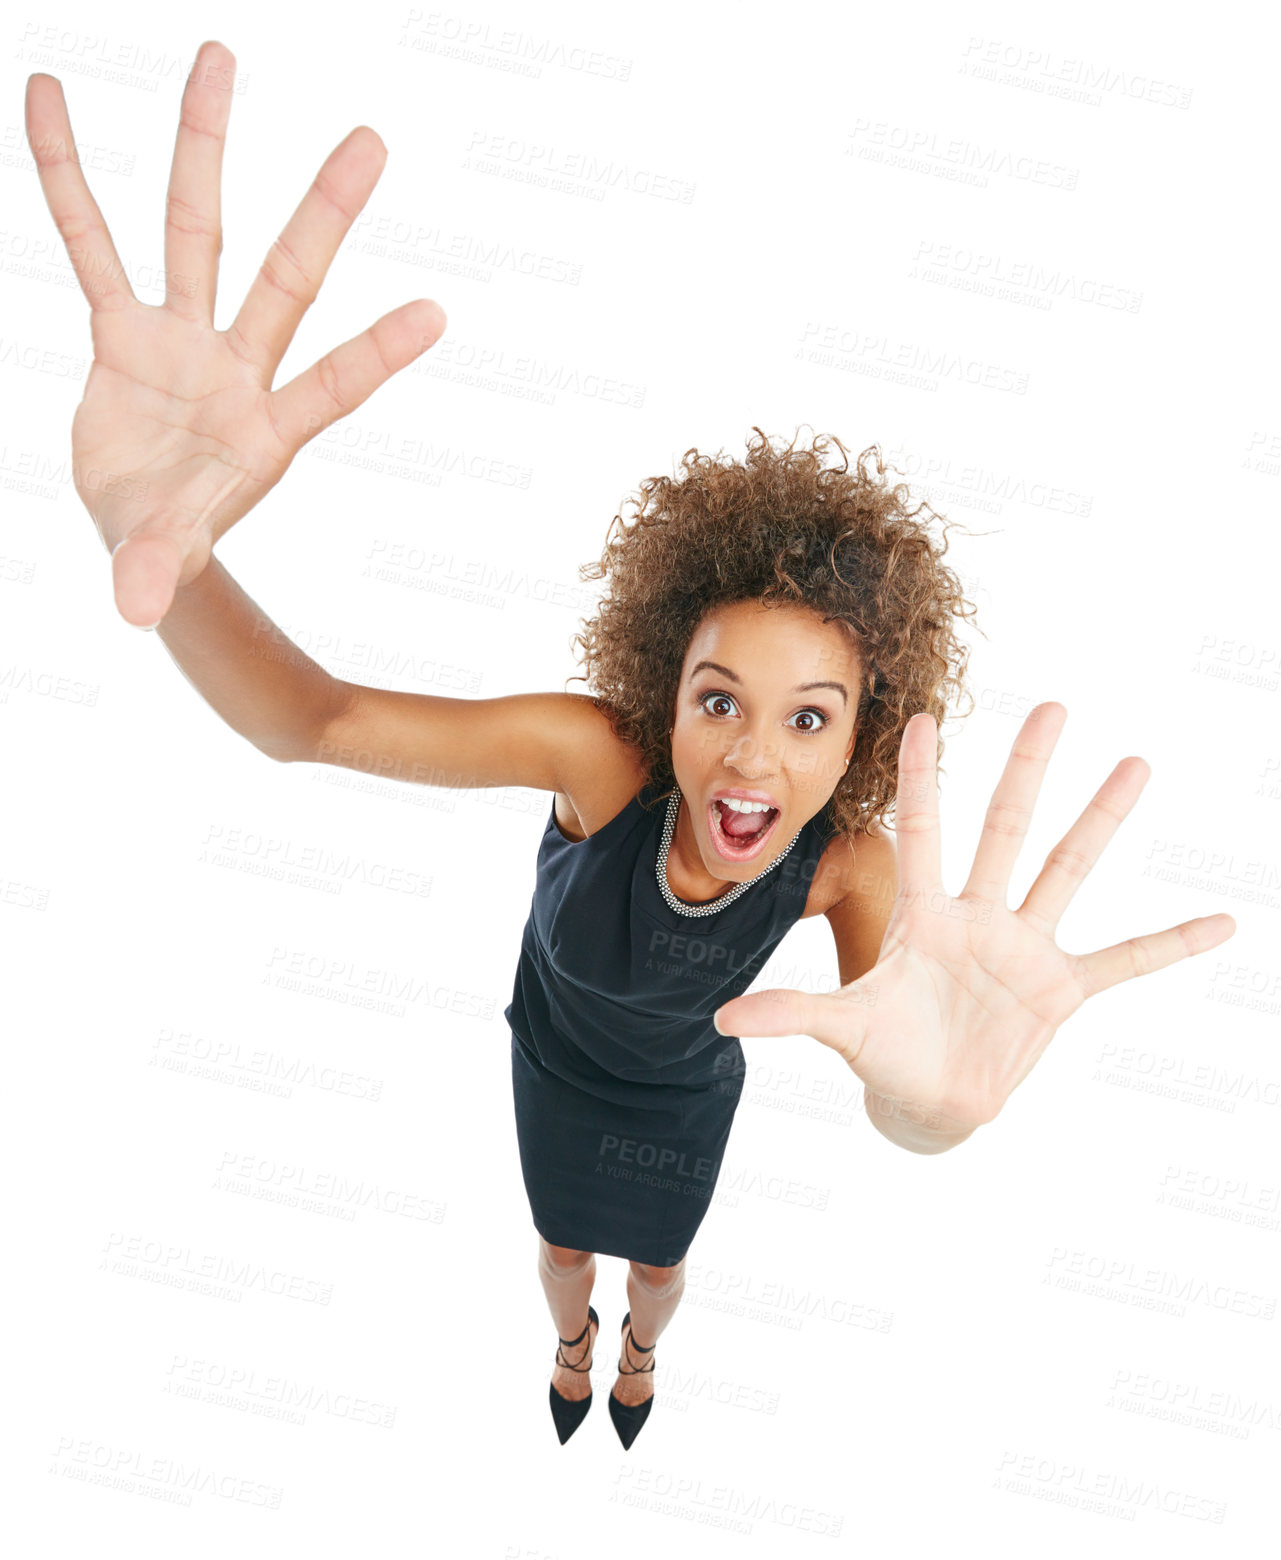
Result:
pixel 781 528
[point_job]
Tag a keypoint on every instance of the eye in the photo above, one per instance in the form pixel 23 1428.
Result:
pixel 712 694
pixel 715 696
pixel 820 715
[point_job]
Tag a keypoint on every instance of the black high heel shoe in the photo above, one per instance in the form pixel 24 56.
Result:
pixel 629 1417
pixel 569 1413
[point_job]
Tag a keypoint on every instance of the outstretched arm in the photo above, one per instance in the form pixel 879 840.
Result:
pixel 180 433
pixel 966 993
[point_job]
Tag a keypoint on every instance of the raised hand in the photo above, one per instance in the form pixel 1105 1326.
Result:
pixel 966 993
pixel 179 432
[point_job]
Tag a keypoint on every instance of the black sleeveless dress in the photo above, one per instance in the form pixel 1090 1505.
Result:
pixel 624 1092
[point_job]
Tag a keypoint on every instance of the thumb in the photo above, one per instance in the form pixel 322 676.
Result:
pixel 836 1019
pixel 144 569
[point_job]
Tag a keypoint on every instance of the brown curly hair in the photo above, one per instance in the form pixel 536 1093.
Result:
pixel 779 528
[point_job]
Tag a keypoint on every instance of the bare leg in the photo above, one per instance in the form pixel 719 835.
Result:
pixel 653 1293
pixel 567 1277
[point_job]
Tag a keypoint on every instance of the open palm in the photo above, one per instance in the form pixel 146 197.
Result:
pixel 179 432
pixel 966 994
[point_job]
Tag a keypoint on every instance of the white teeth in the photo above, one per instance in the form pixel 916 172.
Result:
pixel 733 803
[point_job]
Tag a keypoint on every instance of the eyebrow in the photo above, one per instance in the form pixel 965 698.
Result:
pixel 715 666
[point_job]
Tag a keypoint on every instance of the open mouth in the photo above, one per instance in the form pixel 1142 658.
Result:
pixel 739 836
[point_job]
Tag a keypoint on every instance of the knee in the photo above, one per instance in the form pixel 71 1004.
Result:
pixel 562 1260
pixel 659 1281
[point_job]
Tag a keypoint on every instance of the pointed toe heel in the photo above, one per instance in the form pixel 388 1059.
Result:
pixel 569 1413
pixel 629 1417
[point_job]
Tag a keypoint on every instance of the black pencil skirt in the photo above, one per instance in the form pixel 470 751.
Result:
pixel 622 1169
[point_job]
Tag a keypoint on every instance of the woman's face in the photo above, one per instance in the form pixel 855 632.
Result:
pixel 764 712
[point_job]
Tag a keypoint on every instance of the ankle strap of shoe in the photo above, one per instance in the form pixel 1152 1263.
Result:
pixel 569 1343
pixel 628 1342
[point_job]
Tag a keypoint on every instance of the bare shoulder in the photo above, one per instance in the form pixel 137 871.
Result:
pixel 600 773
pixel 862 872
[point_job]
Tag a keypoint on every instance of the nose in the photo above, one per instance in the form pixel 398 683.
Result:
pixel 752 754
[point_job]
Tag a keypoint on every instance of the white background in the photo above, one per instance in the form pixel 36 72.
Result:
pixel 915 227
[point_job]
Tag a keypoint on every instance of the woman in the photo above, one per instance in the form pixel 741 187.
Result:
pixel 771 663
pixel 754 675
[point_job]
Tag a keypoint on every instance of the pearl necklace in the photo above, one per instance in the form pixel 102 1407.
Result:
pixel 721 900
